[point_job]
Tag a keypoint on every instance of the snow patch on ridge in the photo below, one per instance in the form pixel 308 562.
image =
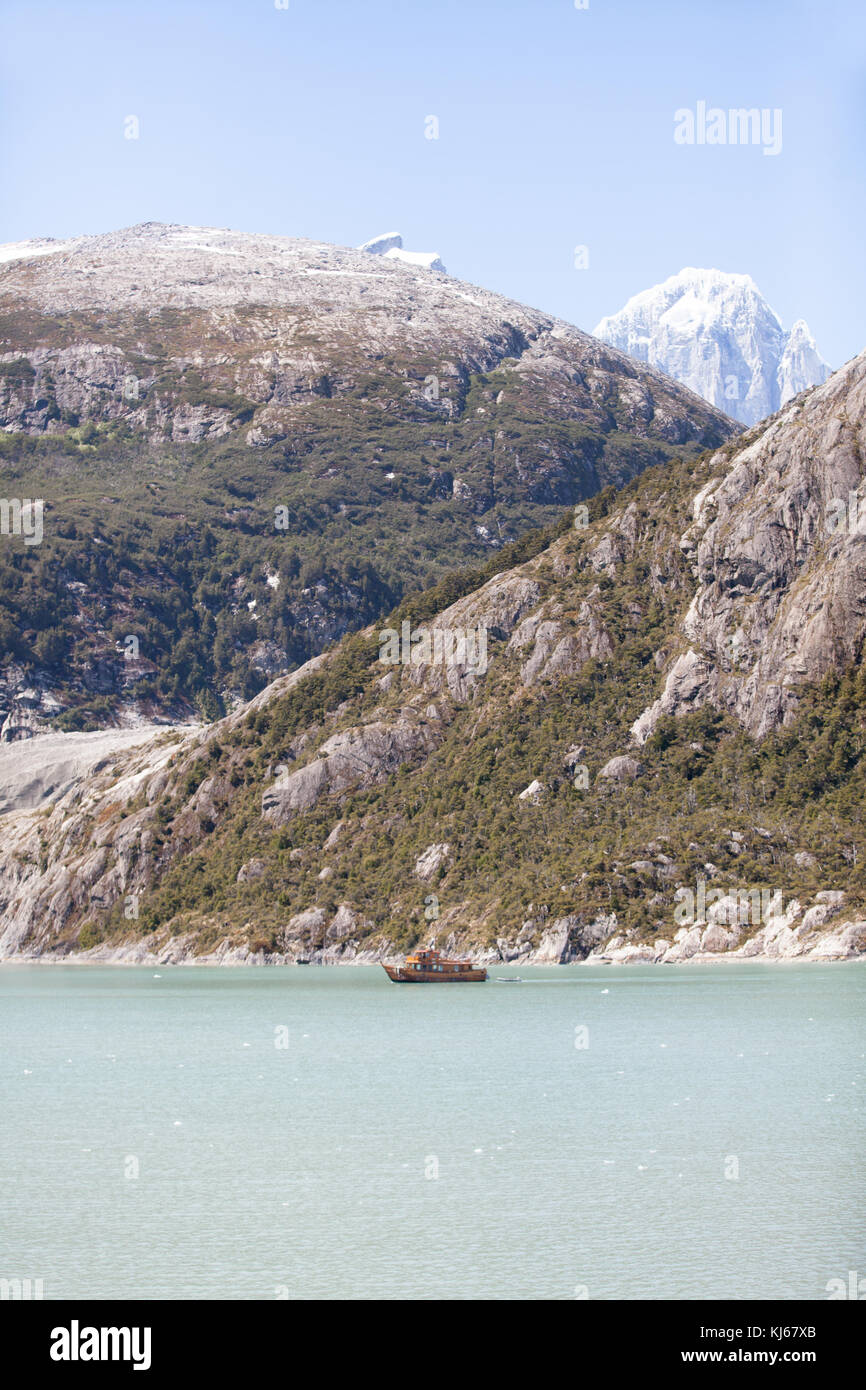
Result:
pixel 390 245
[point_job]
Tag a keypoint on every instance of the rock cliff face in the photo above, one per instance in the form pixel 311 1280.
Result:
pixel 780 558
pixel 713 614
pixel 716 333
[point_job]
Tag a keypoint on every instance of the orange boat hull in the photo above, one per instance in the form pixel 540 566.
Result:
pixel 403 976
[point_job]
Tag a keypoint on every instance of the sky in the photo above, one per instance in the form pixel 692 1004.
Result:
pixel 503 134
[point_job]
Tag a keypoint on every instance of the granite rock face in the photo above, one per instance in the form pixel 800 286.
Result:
pixel 779 557
pixel 621 769
pixel 355 757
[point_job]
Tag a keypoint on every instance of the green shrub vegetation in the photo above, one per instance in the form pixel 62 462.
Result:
pixel 171 543
pixel 581 851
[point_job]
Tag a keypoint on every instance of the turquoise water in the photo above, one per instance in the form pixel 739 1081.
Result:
pixel 428 1143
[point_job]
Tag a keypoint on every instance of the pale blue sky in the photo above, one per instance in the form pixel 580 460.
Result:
pixel 555 130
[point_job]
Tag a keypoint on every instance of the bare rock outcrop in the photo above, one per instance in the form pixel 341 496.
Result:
pixel 621 769
pixel 353 758
pixel 779 555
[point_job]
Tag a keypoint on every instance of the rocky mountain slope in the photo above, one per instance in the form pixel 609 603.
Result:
pixel 657 753
pixel 249 445
pixel 109 326
pixel 716 333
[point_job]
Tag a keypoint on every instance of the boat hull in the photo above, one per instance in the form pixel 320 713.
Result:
pixel 402 976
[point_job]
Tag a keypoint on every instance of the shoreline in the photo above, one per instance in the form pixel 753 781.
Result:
pixel 790 937
pixel 232 960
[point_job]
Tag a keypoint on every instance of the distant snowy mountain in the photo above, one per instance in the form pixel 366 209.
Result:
pixel 717 334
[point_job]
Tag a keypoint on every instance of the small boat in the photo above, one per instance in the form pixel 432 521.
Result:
pixel 430 967
pixel 508 979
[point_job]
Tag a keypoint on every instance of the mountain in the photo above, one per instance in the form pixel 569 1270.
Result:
pixel 717 334
pixel 638 735
pixel 800 365
pixel 248 445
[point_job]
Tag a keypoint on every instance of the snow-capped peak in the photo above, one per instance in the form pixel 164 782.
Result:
pixel 714 331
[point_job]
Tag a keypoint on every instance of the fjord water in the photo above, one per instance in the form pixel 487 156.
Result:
pixel 575 1134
